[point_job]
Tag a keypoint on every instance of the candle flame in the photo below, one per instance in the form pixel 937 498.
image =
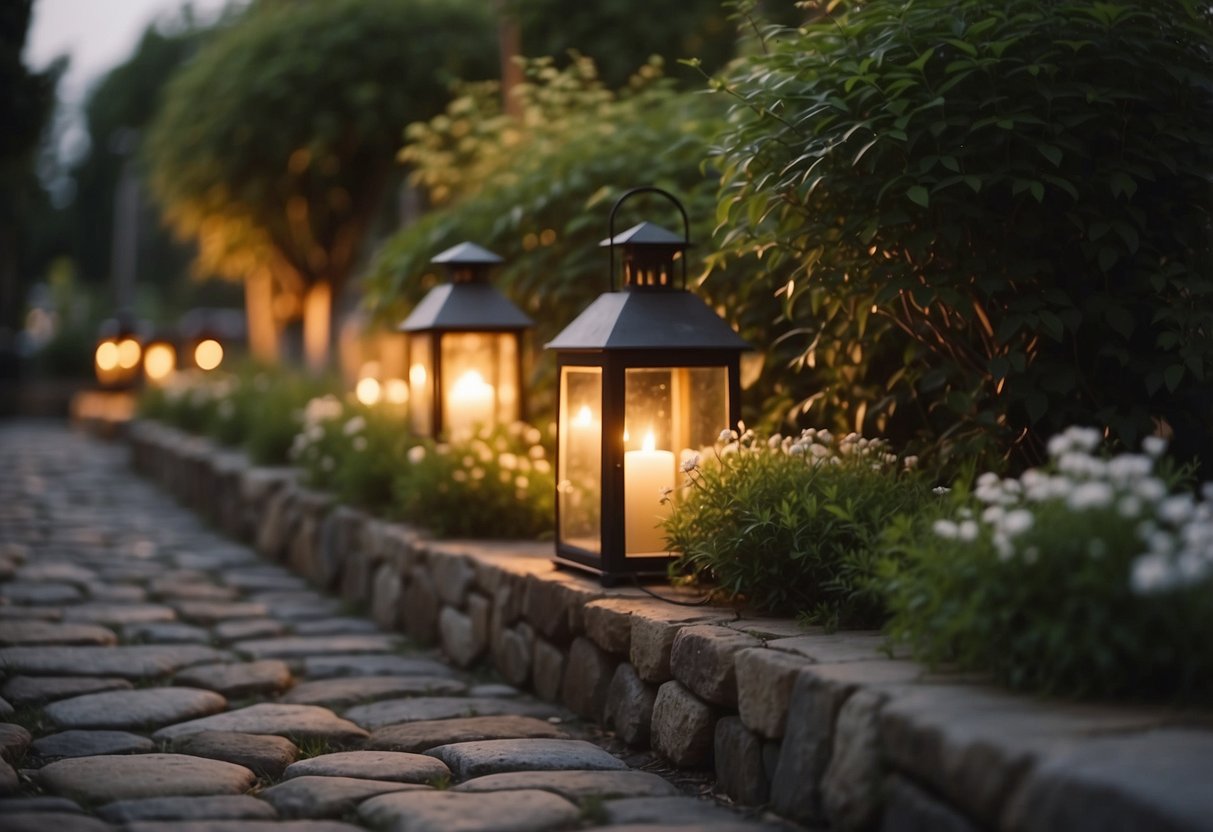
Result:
pixel 417 375
pixel 470 381
pixel 649 444
pixel 584 417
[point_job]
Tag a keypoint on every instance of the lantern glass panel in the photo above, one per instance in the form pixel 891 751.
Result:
pixel 479 377
pixel 421 380
pixel 669 414
pixel 579 470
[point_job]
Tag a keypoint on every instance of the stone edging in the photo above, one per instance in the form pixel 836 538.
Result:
pixel 824 728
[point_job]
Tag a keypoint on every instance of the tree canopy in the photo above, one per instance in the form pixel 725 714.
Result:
pixel 275 144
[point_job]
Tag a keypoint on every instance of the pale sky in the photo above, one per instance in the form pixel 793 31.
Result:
pixel 98 35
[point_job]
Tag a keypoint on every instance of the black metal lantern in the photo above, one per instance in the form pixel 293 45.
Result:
pixel 159 358
pixel 465 346
pixel 648 376
pixel 119 351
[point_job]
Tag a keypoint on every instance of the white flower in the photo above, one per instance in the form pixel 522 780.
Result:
pixel 416 454
pixel 354 425
pixel 1151 573
pixel 796 449
pixel 1150 489
pixel 1176 510
pixel 690 463
pixel 1016 522
pixel 1089 495
pixel 729 449
pixel 359 443
pixel 941 490
pixel 1129 506
pixel 663 494
pixel 1154 446
pixel 774 442
pixel 459 475
pixel 1128 467
pixel 477 473
pixel 945 529
pixel 819 451
pixel 727 436
pixel 967 531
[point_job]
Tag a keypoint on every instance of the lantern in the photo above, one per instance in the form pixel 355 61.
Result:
pixel 648 376
pixel 159 359
pixel 119 351
pixel 465 350
pixel 209 337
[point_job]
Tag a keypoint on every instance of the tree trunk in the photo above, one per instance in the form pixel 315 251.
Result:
pixel 259 311
pixel 317 325
pixel 509 44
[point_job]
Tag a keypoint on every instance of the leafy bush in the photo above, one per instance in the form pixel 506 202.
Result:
pixel 255 408
pixel 995 215
pixel 351 449
pixel 498 483
pixel 1088 577
pixel 538 190
pixel 794 525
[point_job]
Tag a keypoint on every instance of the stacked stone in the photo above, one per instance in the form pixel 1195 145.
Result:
pixel 156 676
pixel 824 729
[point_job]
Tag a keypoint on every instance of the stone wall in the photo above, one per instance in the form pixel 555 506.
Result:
pixel 826 729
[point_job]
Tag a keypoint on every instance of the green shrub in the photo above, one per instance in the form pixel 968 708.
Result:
pixel 995 215
pixel 257 409
pixel 1089 577
pixel 353 450
pixel 793 526
pixel 497 484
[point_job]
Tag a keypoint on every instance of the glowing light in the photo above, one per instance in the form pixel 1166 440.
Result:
pixel 417 375
pixel 472 400
pixel 107 356
pixel 584 417
pixel 159 361
pixel 208 354
pixel 368 391
pixel 649 443
pixel 396 391
pixel 129 353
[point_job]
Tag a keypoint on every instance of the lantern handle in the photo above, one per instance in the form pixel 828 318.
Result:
pixel 650 189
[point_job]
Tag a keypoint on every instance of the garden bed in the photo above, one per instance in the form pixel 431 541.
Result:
pixel 826 728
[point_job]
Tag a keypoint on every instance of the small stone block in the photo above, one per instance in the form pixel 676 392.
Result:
pixel 475 759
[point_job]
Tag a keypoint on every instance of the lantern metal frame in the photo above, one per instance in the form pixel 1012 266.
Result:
pixel 651 324
pixel 465 305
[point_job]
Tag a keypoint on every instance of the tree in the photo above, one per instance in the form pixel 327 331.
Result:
pixel 26 102
pixel 622 34
pixel 117 113
pixel 276 143
pixel 997 213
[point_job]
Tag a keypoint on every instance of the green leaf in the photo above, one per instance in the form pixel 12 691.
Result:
pixel 921 60
pixel 1173 375
pixel 1051 152
pixel 1120 319
pixel 919 196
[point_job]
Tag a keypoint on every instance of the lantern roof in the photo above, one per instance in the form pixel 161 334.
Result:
pixel 645 234
pixel 465 306
pixel 467 254
pixel 648 321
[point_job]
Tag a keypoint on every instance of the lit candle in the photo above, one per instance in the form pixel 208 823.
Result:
pixel 646 473
pixel 471 403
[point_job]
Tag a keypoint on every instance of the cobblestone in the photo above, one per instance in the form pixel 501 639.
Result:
pixel 112 600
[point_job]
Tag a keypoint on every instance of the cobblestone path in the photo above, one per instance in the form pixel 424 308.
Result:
pixel 156 676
